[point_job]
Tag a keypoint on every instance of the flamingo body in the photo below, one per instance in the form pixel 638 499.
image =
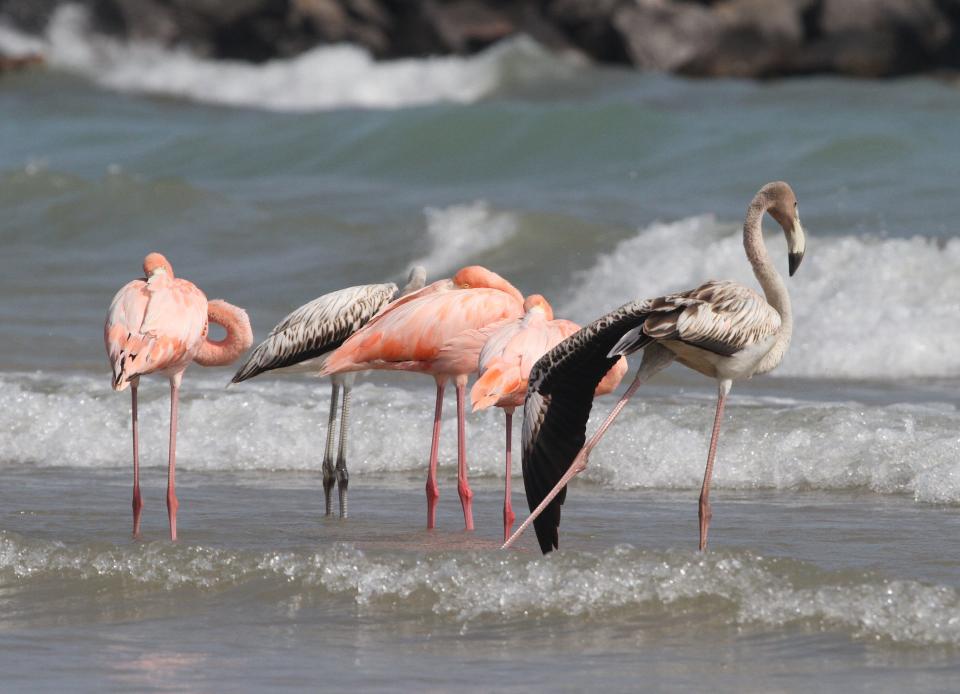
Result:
pixel 435 331
pixel 159 324
pixel 302 342
pixel 721 329
pixel 509 353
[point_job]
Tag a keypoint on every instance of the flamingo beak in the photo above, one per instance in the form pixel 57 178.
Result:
pixel 796 244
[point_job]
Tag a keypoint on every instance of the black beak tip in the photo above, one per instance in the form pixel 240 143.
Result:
pixel 794 262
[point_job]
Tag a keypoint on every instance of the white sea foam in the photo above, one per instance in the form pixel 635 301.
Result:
pixel 323 78
pixel 864 306
pixel 738 589
pixel 463 231
pixel 657 443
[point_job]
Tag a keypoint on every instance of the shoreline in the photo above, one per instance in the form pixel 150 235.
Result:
pixel 695 38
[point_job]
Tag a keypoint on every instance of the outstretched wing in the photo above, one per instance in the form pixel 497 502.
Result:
pixel 559 398
pixel 317 328
pixel 719 317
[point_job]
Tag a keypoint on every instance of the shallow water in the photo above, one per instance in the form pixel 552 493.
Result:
pixel 833 546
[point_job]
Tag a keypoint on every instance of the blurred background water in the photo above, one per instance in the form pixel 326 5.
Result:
pixel 838 476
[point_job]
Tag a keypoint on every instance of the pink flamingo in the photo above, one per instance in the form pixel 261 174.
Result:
pixel 158 324
pixel 435 331
pixel 509 352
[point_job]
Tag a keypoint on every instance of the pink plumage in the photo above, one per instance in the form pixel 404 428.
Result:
pixel 434 331
pixel 159 324
pixel 510 350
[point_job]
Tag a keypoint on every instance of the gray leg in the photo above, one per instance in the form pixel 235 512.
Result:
pixel 343 478
pixel 328 474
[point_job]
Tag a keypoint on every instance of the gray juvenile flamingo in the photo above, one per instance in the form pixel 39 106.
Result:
pixel 722 329
pixel 301 343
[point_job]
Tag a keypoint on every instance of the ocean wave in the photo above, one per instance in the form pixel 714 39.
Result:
pixel 864 306
pixel 730 589
pixel 658 442
pixel 327 77
pixel 463 231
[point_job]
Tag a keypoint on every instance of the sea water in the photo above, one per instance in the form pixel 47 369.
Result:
pixel 834 547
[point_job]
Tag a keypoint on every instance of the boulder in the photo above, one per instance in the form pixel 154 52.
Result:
pixel 665 36
pixel 875 38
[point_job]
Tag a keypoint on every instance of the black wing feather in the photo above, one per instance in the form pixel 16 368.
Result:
pixel 557 407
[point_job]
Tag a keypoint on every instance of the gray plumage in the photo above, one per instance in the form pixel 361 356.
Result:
pixel 721 329
pixel 303 340
pixel 317 328
pixel 720 318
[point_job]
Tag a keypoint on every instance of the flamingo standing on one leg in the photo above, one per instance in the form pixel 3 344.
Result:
pixel 303 340
pixel 508 354
pixel 720 329
pixel 159 324
pixel 435 331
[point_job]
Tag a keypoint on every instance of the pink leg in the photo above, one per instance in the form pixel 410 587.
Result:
pixel 655 358
pixel 508 516
pixel 433 492
pixel 172 502
pixel 704 511
pixel 137 501
pixel 463 486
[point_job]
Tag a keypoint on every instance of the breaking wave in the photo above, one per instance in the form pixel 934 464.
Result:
pixel 327 77
pixel 659 442
pixel 864 306
pixel 729 589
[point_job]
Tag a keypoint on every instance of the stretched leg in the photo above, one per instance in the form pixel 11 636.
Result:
pixel 343 478
pixel 655 358
pixel 508 516
pixel 704 511
pixel 172 502
pixel 328 474
pixel 463 486
pixel 433 492
pixel 137 501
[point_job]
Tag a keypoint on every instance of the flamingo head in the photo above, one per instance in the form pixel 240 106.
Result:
pixel 783 207
pixel 155 263
pixel 477 276
pixel 536 302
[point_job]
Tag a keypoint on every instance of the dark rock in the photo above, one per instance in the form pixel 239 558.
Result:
pixel 874 38
pixel 587 25
pixel 751 38
pixel 742 38
pixel 665 36
pixel 466 26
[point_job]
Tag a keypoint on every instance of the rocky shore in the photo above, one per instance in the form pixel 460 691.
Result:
pixel 703 38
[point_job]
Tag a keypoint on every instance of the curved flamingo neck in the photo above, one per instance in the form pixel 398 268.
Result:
pixel 770 280
pixel 238 339
pixel 497 282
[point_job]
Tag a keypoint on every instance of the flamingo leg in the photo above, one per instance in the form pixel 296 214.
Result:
pixel 343 478
pixel 463 485
pixel 705 513
pixel 172 502
pixel 655 358
pixel 433 492
pixel 328 473
pixel 508 515
pixel 137 501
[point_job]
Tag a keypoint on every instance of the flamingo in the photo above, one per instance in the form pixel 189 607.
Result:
pixel 509 352
pixel 435 331
pixel 301 343
pixel 158 324
pixel 721 329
